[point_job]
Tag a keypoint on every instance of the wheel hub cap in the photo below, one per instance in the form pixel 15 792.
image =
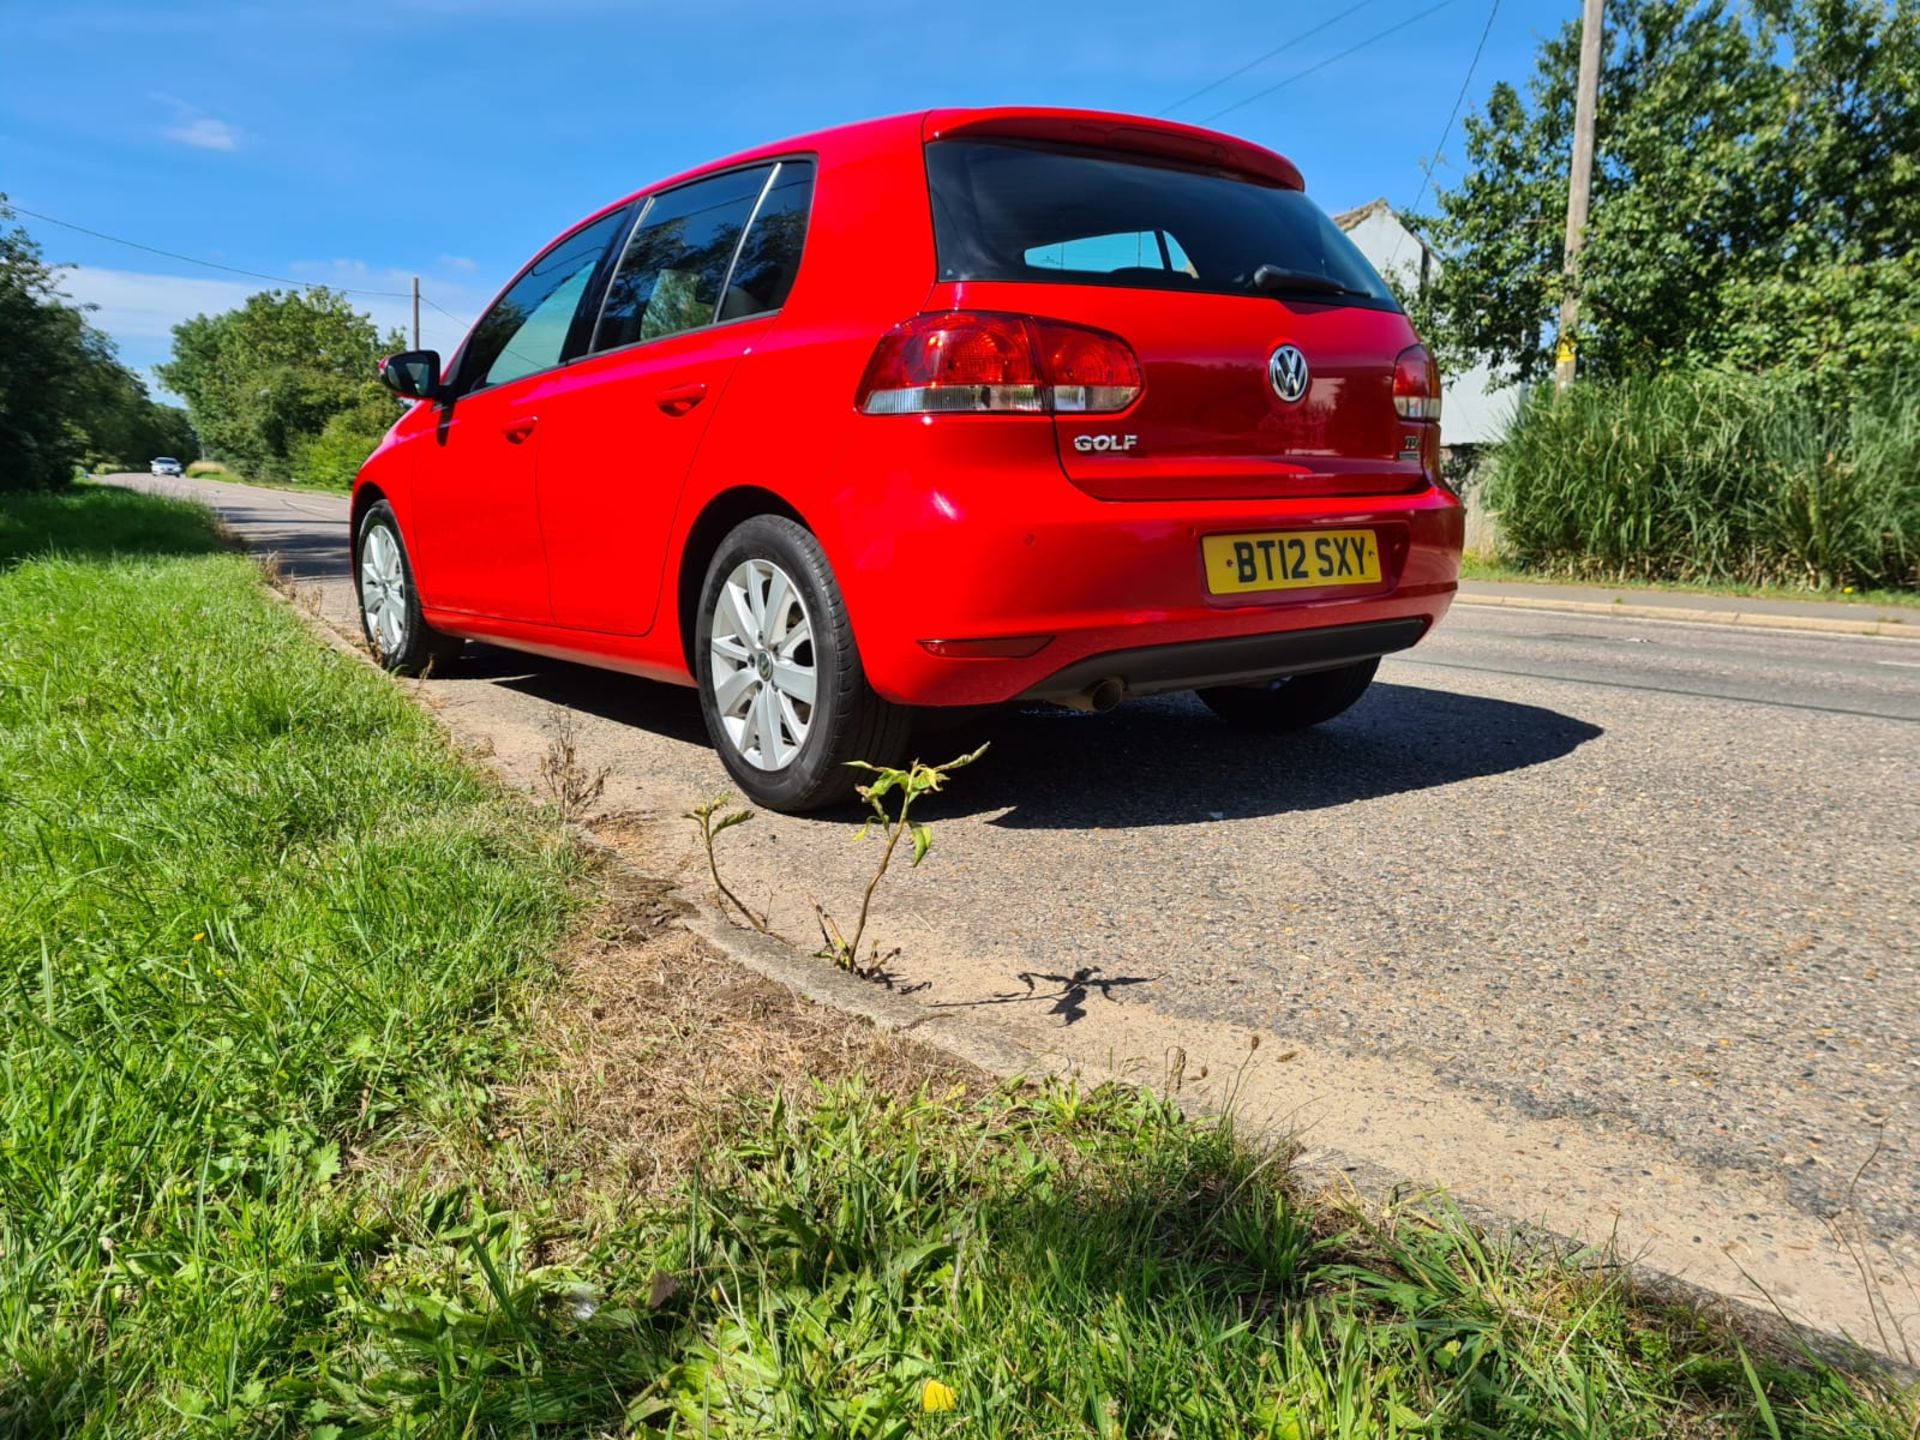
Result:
pixel 762 673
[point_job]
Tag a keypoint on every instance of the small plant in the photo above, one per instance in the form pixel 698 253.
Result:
pixel 573 787
pixel 913 782
pixel 713 818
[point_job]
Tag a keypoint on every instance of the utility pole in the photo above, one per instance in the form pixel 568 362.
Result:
pixel 416 312
pixel 1578 185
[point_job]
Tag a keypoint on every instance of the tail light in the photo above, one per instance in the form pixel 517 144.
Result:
pixel 1416 395
pixel 1416 385
pixel 976 361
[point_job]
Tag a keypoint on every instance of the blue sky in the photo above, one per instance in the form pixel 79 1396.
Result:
pixel 359 144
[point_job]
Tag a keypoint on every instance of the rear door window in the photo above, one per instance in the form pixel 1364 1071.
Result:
pixel 676 264
pixel 1009 211
pixel 770 255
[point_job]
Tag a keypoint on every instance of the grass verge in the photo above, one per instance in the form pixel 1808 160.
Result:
pixel 256 916
pixel 322 1118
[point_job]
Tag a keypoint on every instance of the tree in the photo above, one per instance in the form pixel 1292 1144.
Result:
pixel 65 398
pixel 334 456
pixel 120 423
pixel 1757 165
pixel 42 361
pixel 262 382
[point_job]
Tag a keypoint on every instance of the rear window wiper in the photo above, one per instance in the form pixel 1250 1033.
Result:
pixel 1273 280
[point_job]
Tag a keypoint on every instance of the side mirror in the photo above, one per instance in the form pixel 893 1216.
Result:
pixel 412 374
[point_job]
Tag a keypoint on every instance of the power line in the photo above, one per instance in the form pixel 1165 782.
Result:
pixel 209 264
pixel 444 311
pixel 1458 101
pixel 1446 130
pixel 1322 64
pixel 1262 59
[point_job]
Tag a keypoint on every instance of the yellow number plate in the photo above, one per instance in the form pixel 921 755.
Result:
pixel 1290 560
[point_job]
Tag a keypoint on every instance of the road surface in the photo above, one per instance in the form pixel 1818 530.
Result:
pixel 1600 922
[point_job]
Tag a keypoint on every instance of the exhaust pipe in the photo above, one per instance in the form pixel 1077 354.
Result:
pixel 1099 697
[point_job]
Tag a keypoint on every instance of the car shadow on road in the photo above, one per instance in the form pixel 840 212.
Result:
pixel 670 711
pixel 1169 761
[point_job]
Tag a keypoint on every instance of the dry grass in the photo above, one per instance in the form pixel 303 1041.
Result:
pixel 574 788
pixel 655 1047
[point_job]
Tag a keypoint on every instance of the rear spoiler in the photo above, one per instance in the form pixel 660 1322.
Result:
pixel 1163 139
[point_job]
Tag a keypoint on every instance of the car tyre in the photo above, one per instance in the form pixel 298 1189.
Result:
pixel 390 618
pixel 782 689
pixel 1292 702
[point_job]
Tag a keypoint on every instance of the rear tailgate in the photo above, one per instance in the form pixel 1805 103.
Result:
pixel 1161 255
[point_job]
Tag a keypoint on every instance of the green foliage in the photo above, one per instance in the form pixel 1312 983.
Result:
pixel 1064 1262
pixel 65 400
pixel 98 522
pixel 1837 321
pixel 285 384
pixel 41 362
pixel 713 818
pixel 1756 194
pixel 255 914
pixel 1714 475
pixel 334 456
pixel 124 427
pixel 909 784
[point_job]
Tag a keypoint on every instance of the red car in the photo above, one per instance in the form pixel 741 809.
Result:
pixel 955 409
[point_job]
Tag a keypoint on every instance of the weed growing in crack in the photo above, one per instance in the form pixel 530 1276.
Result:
pixel 573 788
pixel 910 784
pixel 712 821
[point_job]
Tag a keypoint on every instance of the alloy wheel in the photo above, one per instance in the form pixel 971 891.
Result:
pixel 383 590
pixel 762 672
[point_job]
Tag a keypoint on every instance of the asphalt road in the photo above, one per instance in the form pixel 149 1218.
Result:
pixel 1604 922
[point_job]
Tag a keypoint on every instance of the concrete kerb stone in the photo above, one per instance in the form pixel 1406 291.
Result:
pixel 1745 619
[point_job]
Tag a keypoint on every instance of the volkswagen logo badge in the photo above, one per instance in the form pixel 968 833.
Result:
pixel 1287 369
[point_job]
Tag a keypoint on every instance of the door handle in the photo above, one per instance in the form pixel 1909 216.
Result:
pixel 679 399
pixel 518 430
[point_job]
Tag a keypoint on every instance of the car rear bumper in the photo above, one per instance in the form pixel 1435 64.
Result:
pixel 977 549
pixel 1229 660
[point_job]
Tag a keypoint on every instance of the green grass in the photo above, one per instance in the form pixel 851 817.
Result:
pixel 255 915
pixel 1068 1264
pixel 97 523
pixel 267 948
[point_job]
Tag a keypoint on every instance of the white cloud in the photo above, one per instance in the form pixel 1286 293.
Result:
pixel 136 306
pixel 193 126
pixel 203 132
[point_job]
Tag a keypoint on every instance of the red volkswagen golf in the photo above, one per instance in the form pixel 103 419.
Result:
pixel 963 408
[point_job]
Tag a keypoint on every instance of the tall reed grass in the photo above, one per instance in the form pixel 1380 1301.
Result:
pixel 1716 476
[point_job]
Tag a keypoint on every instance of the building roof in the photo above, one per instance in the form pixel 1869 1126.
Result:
pixel 1347 219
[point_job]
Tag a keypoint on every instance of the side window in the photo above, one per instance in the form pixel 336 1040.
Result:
pixel 527 329
pixel 669 280
pixel 770 255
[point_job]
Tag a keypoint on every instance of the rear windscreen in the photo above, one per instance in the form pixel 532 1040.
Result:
pixel 1008 211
